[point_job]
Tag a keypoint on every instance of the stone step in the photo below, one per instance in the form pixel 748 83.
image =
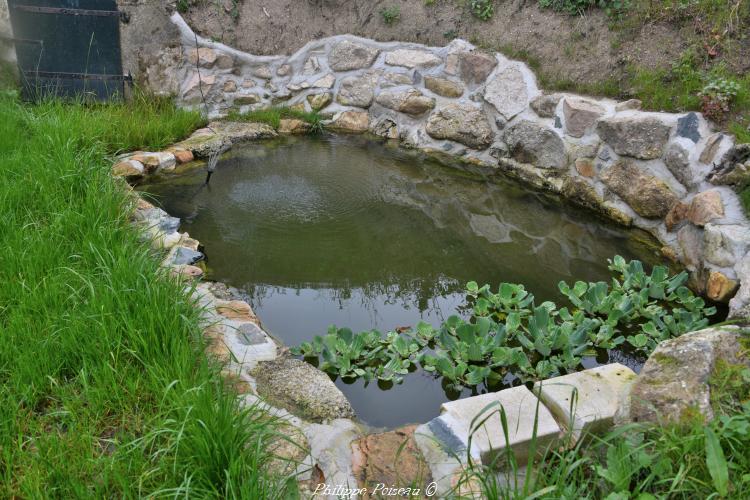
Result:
pixel 585 402
pixel 477 423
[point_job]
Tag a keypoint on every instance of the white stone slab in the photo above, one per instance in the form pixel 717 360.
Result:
pixel 488 440
pixel 586 402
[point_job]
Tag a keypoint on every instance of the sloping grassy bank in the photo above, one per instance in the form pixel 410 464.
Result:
pixel 104 387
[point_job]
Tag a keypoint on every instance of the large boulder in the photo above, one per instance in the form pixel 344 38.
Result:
pixel 637 137
pixel 536 144
pixel 462 123
pixel 507 92
pixel 301 389
pixel 646 194
pixel 346 56
pixel 357 91
pixel 580 115
pixel 411 102
pixel 676 382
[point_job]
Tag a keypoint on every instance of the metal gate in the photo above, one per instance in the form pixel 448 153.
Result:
pixel 68 48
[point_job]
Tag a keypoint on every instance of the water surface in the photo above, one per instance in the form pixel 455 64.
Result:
pixel 341 230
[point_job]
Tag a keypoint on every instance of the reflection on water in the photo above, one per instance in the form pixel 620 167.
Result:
pixel 338 230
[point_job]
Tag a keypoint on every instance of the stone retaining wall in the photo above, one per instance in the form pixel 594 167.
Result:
pixel 645 169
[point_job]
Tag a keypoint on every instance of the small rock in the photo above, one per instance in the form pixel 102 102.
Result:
pixel 293 126
pixel 196 83
pixel 185 256
pixel 262 72
pixel 346 56
pixel 507 92
pixel 326 82
pixel 186 271
pixel 237 310
pixel 642 138
pixel 390 458
pixel 242 100
pixel 156 161
pixel 646 194
pixel 319 101
pixel 676 216
pixel 249 83
pixel 443 86
pixel 284 70
pixel 128 168
pixel 412 58
pixel 312 66
pixel 719 288
pixel 580 115
pixel 386 128
pixel 462 123
pixel 230 86
pixel 690 239
pixel 203 57
pixel 675 382
pixel 301 389
pixel 537 145
pixel 677 161
pixel 705 207
pixel 224 61
pixel 183 155
pixel 629 104
pixel 712 146
pixel 725 244
pixel 351 121
pixel 687 126
pixel 585 167
pixel 472 67
pixel 739 306
pixel 395 80
pixel 411 102
pixel 357 91
pixel 545 105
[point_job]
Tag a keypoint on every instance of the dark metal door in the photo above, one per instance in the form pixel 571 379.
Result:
pixel 68 48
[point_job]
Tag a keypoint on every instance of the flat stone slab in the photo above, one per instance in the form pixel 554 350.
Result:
pixel 488 440
pixel 586 402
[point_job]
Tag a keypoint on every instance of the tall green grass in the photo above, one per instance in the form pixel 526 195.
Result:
pixel 105 390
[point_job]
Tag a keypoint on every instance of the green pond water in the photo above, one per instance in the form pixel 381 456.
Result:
pixel 341 230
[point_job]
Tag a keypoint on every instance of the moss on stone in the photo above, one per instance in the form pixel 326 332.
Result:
pixel 729 385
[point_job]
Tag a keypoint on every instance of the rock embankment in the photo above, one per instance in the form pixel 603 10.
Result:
pixel 669 174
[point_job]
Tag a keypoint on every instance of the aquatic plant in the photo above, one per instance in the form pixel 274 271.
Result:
pixel 507 333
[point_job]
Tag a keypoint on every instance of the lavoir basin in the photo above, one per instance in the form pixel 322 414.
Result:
pixel 341 230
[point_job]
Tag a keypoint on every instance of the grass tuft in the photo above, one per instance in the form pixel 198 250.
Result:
pixel 105 390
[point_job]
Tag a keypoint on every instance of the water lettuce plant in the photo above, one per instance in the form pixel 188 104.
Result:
pixel 507 333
